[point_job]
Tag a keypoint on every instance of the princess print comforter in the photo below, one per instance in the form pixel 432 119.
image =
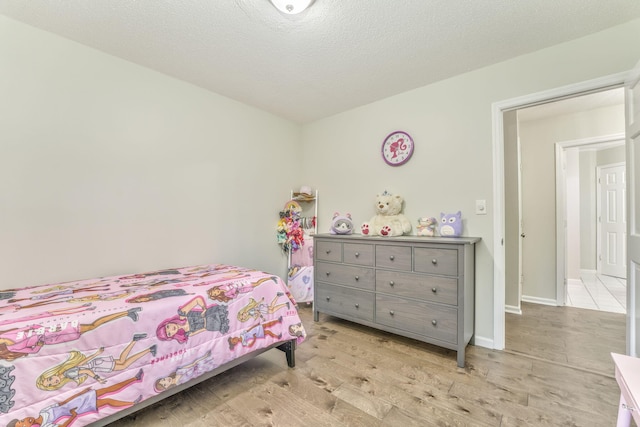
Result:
pixel 76 352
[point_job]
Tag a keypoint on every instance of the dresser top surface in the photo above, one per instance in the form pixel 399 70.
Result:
pixel 405 239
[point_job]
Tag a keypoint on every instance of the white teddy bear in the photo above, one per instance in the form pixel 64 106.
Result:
pixel 389 221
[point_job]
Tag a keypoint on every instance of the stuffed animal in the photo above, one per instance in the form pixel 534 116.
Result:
pixel 427 226
pixel 341 224
pixel 389 220
pixel 450 224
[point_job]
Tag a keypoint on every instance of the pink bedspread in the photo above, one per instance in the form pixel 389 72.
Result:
pixel 75 352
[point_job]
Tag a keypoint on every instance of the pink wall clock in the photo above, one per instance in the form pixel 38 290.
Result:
pixel 397 148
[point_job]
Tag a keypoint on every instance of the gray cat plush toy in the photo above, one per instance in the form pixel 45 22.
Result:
pixel 341 224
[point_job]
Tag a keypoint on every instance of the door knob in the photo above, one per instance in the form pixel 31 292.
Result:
pixel 523 235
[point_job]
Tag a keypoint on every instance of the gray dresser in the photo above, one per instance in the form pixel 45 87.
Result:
pixel 418 287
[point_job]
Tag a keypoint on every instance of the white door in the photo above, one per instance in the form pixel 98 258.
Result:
pixel 632 108
pixel 613 224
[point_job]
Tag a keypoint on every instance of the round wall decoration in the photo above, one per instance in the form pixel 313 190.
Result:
pixel 397 148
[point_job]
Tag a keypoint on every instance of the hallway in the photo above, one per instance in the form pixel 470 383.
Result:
pixel 598 292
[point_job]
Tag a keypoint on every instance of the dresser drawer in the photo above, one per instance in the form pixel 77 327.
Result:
pixel 360 254
pixel 328 251
pixel 358 277
pixel 422 318
pixel 398 257
pixel 417 286
pixel 344 301
pixel 436 260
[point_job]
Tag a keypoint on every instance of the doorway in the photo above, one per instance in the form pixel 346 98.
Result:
pixel 558 160
pixel 554 183
pixel 590 223
pixel 501 237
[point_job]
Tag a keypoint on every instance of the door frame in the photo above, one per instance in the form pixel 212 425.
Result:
pixel 561 202
pixel 632 119
pixel 497 110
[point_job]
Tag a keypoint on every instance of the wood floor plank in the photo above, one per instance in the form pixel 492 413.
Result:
pixel 398 417
pixel 453 414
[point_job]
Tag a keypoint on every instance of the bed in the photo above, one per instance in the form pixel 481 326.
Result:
pixel 92 351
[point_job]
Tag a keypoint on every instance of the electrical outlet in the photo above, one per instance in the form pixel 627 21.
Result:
pixel 481 207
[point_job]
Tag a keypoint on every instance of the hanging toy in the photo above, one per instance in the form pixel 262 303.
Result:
pixel 289 234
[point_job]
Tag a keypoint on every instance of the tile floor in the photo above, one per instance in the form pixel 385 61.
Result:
pixel 598 292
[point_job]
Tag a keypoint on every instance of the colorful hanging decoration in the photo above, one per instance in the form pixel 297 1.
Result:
pixel 290 233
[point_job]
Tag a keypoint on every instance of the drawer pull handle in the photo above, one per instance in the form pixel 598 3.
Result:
pixel 357 305
pixel 434 322
pixel 392 283
pixel 328 272
pixel 329 251
pixel 391 312
pixel 434 290
pixel 357 254
pixel 328 298
pixel 434 261
pixel 357 278
pixel 391 257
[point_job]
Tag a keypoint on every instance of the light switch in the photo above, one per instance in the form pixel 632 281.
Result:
pixel 481 207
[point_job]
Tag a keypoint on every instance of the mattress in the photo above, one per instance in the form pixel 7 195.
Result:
pixel 74 353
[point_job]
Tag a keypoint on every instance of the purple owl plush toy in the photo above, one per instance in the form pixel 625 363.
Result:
pixel 450 224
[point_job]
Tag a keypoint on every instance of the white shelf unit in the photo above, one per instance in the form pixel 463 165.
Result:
pixel 300 265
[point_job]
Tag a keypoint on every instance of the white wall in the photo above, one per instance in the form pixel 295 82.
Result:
pixel 588 211
pixel 572 194
pixel 109 168
pixel 610 156
pixel 451 124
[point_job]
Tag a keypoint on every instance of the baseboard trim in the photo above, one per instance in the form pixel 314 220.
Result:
pixel 512 309
pixel 537 300
pixel 483 342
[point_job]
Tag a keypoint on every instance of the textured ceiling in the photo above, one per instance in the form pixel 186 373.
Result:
pixel 335 56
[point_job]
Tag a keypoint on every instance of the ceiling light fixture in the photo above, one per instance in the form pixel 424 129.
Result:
pixel 291 7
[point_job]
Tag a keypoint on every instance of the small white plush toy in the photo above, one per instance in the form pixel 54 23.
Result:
pixel 426 226
pixel 389 220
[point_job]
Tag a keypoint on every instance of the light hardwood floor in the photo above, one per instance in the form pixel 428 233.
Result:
pixel 556 371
